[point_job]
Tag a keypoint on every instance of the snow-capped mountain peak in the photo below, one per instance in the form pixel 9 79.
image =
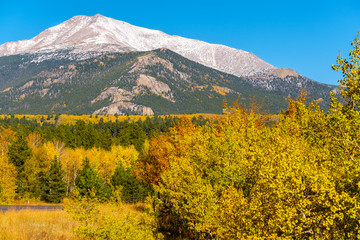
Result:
pixel 102 34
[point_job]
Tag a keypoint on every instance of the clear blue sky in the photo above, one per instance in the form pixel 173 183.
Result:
pixel 304 35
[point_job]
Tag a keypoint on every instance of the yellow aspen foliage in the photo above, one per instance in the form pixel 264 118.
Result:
pixel 6 136
pixel 34 140
pixel 350 68
pixel 156 160
pixel 241 179
pixel 7 170
pixel 104 162
pixel 71 161
pixel 7 180
pixel 94 155
pixel 51 150
pixel 127 156
pixel 106 166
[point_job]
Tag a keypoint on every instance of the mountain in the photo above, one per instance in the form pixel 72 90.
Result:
pixel 83 34
pixel 153 82
pixel 98 65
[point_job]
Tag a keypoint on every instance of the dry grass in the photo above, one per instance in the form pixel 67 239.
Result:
pixel 114 210
pixel 48 225
pixel 30 202
pixel 36 224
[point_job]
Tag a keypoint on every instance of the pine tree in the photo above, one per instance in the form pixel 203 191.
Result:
pixel 133 189
pixel 88 180
pixel 54 188
pixel 19 152
pixel 104 139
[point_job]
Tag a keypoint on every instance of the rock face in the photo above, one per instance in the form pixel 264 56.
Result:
pixel 119 107
pixel 156 87
pixel 97 34
pixel 283 73
pixel 122 99
pixel 115 94
pixel 151 60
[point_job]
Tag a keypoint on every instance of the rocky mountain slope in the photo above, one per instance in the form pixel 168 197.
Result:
pixel 99 65
pixel 151 82
pixel 99 34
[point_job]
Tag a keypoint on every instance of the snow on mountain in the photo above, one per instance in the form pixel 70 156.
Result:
pixel 102 34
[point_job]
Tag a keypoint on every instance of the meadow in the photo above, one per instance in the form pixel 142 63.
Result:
pixel 80 220
pixel 36 224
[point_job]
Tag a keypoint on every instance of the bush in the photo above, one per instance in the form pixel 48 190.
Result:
pixel 110 221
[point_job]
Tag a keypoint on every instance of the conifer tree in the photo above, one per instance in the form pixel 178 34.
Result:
pixel 54 185
pixel 19 152
pixel 133 189
pixel 105 139
pixel 88 180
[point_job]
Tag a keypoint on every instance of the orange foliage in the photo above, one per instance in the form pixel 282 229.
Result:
pixel 174 143
pixel 6 135
pixel 292 104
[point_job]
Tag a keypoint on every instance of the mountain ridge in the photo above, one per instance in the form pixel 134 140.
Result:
pixel 99 65
pixel 102 34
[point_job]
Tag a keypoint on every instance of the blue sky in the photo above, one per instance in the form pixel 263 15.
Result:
pixel 304 35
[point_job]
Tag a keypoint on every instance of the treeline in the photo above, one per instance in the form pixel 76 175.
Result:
pixel 87 135
pixel 85 156
pixel 30 163
pixel 100 134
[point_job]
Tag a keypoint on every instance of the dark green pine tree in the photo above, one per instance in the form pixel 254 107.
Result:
pixel 104 139
pixel 88 180
pixel 54 187
pixel 19 153
pixel 133 189
pixel 137 137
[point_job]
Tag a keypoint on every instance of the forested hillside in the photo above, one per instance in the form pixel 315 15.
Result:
pixel 141 83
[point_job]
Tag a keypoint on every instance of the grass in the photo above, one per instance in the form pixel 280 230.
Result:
pixel 30 202
pixel 36 224
pixel 33 224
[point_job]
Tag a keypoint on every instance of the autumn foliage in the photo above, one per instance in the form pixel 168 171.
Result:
pixel 239 178
pixel 232 177
pixel 162 148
